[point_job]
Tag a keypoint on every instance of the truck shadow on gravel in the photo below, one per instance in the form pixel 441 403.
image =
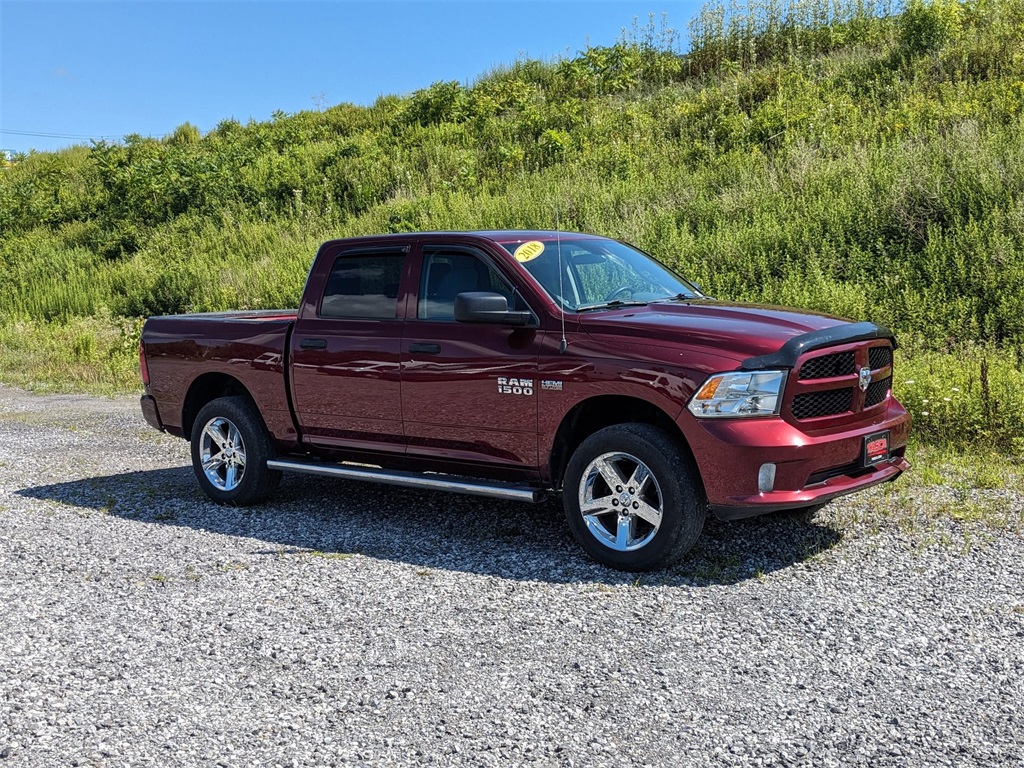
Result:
pixel 434 529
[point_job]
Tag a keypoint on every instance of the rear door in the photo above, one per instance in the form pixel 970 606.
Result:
pixel 345 349
pixel 469 390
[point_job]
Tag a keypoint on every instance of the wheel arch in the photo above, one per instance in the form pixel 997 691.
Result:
pixel 596 413
pixel 206 388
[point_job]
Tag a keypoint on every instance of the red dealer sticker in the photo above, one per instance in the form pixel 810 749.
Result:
pixel 876 448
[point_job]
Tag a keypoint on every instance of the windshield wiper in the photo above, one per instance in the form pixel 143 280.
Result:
pixel 611 305
pixel 681 297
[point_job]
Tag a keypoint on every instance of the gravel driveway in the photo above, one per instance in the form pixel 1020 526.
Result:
pixel 349 623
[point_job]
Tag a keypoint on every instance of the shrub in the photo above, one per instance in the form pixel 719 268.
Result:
pixel 927 24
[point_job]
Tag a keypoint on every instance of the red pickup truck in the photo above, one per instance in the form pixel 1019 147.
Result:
pixel 514 364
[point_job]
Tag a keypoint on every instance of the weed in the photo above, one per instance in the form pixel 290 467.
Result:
pixel 330 555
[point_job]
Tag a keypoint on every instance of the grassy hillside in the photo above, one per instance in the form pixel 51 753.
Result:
pixel 861 159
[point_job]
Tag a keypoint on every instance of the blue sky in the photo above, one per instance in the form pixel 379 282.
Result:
pixel 105 69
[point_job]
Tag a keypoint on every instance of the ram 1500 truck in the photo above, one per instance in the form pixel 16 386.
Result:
pixel 515 364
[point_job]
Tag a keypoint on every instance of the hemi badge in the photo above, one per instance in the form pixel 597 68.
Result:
pixel 551 384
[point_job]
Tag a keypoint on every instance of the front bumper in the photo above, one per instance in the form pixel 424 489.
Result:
pixel 810 469
pixel 775 501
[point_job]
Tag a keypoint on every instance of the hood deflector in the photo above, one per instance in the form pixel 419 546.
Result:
pixel 790 352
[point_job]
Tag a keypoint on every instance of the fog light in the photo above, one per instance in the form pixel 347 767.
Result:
pixel 766 478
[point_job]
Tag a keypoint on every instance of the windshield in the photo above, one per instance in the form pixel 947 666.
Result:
pixel 598 273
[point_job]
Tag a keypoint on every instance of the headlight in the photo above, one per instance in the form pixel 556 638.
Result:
pixel 734 395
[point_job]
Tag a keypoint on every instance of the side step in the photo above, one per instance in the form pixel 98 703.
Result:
pixel 471 486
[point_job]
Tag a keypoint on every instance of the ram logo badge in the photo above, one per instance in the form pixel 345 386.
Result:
pixel 864 379
pixel 508 386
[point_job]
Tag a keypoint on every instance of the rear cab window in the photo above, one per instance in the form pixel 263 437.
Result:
pixel 364 285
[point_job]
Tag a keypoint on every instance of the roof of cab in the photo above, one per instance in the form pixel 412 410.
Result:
pixel 499 236
pixel 544 235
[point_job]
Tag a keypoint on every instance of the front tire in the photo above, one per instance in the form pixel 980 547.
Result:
pixel 633 499
pixel 230 448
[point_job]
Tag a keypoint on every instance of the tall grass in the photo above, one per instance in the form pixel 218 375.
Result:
pixel 746 34
pixel 96 355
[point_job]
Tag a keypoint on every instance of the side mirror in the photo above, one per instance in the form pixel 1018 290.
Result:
pixel 487 307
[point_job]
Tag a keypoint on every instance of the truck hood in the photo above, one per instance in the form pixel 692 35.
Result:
pixel 739 331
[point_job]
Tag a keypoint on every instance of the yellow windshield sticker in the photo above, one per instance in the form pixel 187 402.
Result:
pixel 529 251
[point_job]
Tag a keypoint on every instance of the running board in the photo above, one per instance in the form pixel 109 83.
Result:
pixel 474 487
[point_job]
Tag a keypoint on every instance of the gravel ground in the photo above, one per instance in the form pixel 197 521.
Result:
pixel 348 623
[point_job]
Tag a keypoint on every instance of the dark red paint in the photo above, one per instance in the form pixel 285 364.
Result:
pixel 367 397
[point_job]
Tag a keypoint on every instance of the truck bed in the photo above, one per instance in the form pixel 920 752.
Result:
pixel 248 346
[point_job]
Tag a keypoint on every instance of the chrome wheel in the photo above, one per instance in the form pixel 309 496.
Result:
pixel 222 454
pixel 621 501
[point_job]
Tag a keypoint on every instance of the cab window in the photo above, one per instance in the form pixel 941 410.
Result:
pixel 363 286
pixel 447 273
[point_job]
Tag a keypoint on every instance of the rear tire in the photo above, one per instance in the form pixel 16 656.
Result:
pixel 230 448
pixel 633 498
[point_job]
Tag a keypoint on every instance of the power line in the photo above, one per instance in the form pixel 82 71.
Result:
pixel 44 135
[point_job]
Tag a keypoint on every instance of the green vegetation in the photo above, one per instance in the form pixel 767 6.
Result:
pixel 331 555
pixel 97 354
pixel 855 157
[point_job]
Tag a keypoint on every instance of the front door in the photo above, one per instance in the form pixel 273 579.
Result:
pixel 469 390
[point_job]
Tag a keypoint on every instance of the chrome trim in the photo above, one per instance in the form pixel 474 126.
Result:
pixel 222 454
pixel 621 501
pixel 473 487
pixel 864 378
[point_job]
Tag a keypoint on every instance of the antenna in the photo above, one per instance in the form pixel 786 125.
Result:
pixel 561 293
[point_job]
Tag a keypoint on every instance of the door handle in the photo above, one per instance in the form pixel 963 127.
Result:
pixel 313 343
pixel 425 349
